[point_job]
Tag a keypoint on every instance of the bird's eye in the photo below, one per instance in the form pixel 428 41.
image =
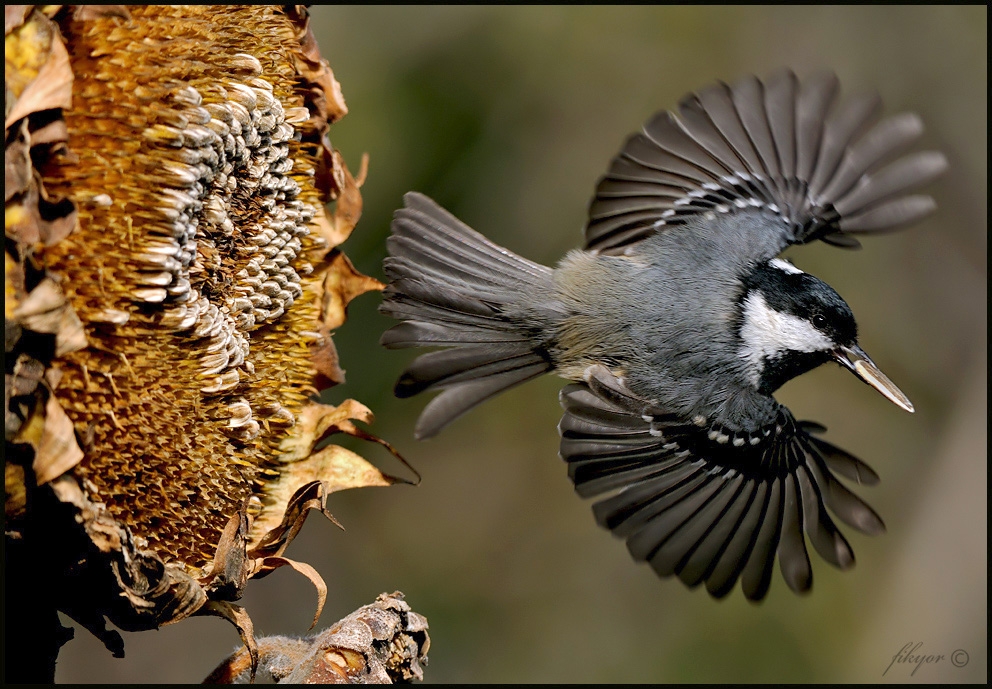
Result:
pixel 819 320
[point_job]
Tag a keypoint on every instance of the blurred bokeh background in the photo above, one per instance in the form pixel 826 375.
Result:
pixel 507 116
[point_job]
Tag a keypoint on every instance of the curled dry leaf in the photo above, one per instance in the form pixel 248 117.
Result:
pixel 312 66
pixel 45 310
pixel 270 564
pixel 50 434
pixel 88 12
pixel 342 284
pixel 17 166
pixel 37 70
pixel 336 227
pixel 38 81
pixel 172 281
pixel 14 16
pixel 335 467
pixel 56 451
pixel 381 643
pixel 237 616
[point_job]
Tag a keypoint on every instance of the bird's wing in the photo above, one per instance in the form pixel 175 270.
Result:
pixel 775 145
pixel 697 504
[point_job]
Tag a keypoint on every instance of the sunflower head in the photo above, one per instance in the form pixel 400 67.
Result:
pixel 172 280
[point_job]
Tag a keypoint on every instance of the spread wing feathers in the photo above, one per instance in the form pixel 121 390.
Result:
pixel 773 145
pixel 450 285
pixel 708 506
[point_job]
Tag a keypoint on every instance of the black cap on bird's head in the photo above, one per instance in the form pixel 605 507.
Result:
pixel 791 322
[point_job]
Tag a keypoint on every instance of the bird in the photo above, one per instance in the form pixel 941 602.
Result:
pixel 678 321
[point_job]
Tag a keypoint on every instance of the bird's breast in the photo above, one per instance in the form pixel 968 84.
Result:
pixel 670 332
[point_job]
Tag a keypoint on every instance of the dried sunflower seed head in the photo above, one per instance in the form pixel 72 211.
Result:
pixel 171 282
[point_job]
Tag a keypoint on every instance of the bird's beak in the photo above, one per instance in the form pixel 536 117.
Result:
pixel 863 367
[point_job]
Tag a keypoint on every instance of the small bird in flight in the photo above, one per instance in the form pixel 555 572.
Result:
pixel 678 321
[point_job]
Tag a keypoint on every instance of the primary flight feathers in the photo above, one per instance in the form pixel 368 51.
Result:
pixel 773 144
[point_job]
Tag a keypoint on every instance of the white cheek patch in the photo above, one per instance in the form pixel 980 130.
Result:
pixel 768 333
pixel 784 266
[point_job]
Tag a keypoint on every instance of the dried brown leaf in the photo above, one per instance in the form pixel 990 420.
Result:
pixel 52 132
pixel 131 586
pixel 342 284
pixel 324 356
pixel 57 218
pixel 32 430
pixel 345 188
pixel 315 69
pixel 83 13
pixel 58 451
pixel 316 422
pixel 46 310
pixel 14 16
pixel 22 383
pixel 167 596
pixel 339 469
pixel 230 570
pixel 273 542
pixel 37 309
pixel 52 86
pixel 335 98
pixel 28 373
pixel 56 230
pixel 13 285
pixel 269 564
pixel 237 616
pixel 17 172
pixel 336 468
pixel 21 221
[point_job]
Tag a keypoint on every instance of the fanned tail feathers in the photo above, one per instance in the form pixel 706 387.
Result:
pixel 452 287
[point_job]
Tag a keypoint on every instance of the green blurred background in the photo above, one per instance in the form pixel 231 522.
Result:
pixel 507 116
